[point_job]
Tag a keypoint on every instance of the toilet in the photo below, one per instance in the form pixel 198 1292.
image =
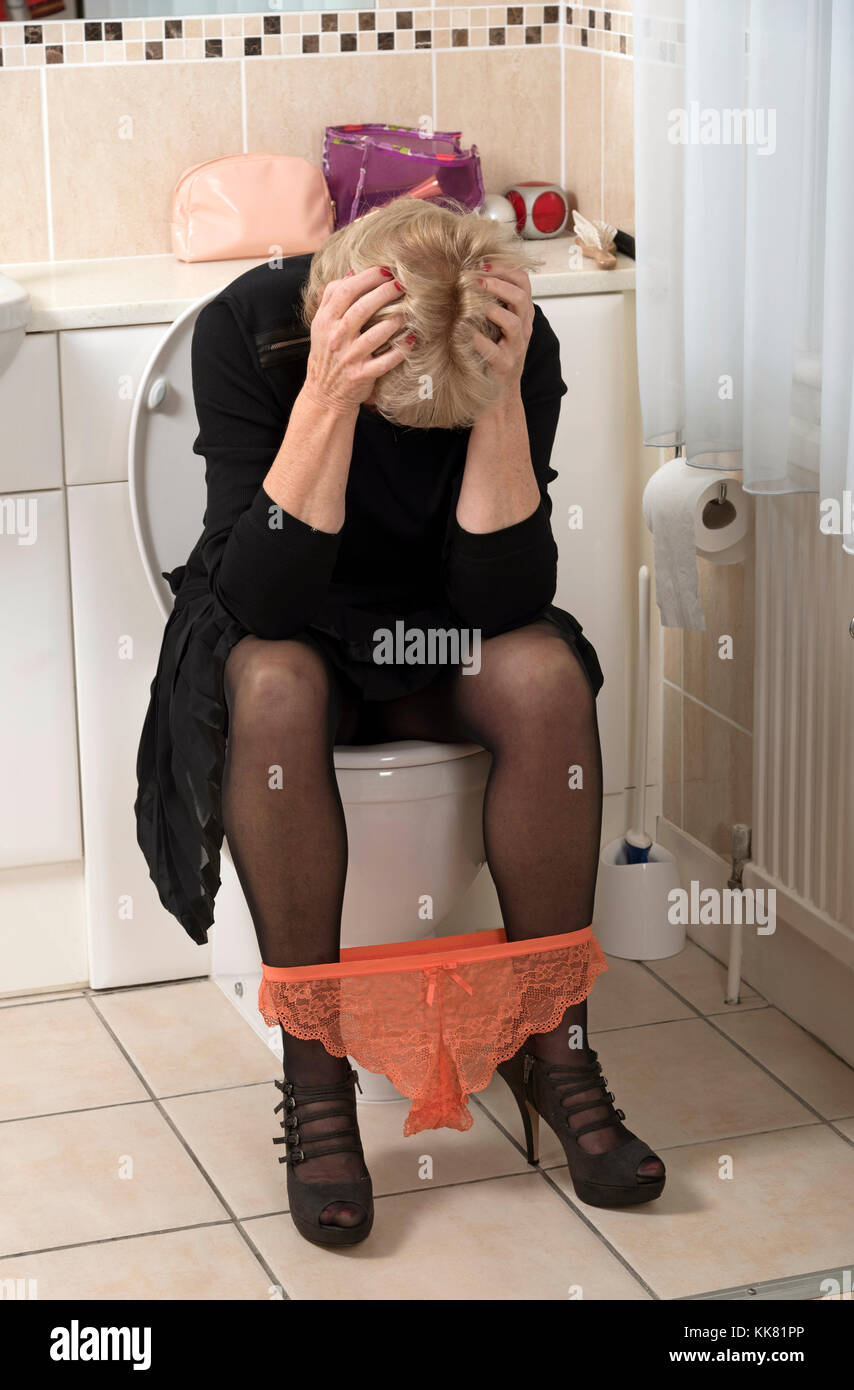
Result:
pixel 413 809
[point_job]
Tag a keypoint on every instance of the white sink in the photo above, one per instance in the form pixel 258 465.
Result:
pixel 14 317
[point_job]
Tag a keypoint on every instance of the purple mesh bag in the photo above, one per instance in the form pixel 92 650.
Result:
pixel 369 165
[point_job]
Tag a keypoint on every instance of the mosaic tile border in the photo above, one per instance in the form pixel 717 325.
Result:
pixel 87 42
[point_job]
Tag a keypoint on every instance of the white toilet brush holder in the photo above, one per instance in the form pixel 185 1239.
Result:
pixel 637 876
pixel 630 919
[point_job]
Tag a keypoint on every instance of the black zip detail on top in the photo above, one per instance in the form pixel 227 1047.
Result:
pixel 281 344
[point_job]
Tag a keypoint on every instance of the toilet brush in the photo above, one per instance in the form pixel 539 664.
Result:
pixel 637 843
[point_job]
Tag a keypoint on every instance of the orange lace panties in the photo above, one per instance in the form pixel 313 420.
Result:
pixel 436 1016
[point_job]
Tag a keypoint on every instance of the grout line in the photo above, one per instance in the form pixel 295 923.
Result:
pixel 681 740
pixel 708 708
pixel 185 1145
pixel 688 1143
pixel 433 74
pixel 46 155
pixel 243 117
pixel 725 1138
pixel 709 1019
pixel 25 1001
pixel 217 1090
pixel 113 1240
pixel 566 1199
pixel 61 996
pixel 748 1008
pixel 833 1124
pixel 562 16
pixel 768 1003
pixel 601 135
pixel 76 1110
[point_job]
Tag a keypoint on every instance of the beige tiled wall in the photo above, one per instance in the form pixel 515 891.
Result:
pixel 99 121
pixel 708 711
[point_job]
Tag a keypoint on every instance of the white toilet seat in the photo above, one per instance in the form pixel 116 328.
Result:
pixel 406 753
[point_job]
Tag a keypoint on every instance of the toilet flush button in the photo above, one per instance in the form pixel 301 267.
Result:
pixel 157 393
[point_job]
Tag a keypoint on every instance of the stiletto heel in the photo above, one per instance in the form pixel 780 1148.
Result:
pixel 608 1179
pixel 513 1072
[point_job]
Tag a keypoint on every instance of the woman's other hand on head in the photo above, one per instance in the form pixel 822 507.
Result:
pixel 342 369
pixel 512 311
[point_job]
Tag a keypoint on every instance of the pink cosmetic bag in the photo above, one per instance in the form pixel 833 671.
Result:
pixel 250 205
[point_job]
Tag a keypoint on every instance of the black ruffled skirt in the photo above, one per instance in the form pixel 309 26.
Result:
pixel 181 756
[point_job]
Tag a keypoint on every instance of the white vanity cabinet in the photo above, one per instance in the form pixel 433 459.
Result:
pixel 39 808
pixel 117 632
pixel 101 369
pixel 30 431
pixel 41 918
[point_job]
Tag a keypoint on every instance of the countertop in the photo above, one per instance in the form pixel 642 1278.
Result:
pixel 157 289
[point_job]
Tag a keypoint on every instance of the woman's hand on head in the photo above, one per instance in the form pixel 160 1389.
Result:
pixel 506 358
pixel 342 371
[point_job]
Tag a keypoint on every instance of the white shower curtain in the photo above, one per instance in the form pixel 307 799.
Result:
pixel 744 190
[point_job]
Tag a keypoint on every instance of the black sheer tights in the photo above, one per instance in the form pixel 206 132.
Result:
pixel 530 704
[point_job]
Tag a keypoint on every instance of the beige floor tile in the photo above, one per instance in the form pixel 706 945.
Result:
pixel 187 1038
pixel 682 1083
pixel 702 981
pixel 442 1155
pixel 819 1077
pixel 785 1211
pixel 62 1179
pixel 211 1262
pixel 231 1133
pixel 847 1127
pixel 511 1238
pixel 627 995
pixel 62 1058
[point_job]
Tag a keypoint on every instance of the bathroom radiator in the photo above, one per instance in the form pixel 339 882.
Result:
pixel 803 770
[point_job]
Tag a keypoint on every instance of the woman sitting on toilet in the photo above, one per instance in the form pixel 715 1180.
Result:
pixel 391 465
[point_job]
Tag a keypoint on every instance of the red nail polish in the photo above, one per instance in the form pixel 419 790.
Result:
pixel 349 272
pixel 409 339
pixel 387 273
pixel 398 285
pixel 487 265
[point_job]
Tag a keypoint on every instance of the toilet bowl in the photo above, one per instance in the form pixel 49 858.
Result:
pixel 414 814
pixel 413 809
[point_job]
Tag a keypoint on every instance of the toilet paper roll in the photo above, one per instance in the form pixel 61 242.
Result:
pixel 683 510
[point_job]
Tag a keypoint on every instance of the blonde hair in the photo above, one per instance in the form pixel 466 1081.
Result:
pixel 435 252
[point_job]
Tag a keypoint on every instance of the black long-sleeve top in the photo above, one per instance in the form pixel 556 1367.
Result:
pixel 400 552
